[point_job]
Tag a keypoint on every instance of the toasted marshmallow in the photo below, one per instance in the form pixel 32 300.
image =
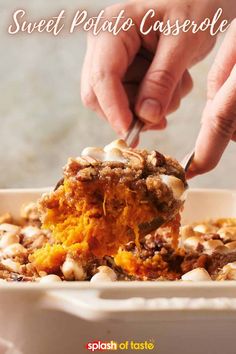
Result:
pixel 231 245
pixel 8 239
pixel 116 144
pixel 11 265
pixel 9 228
pixel 228 272
pixel 29 211
pixel 228 233
pixel 197 274
pixel 104 274
pixel 93 152
pixel 175 184
pixel 211 245
pixel 231 265
pixel 192 243
pixel 16 249
pixel 30 232
pixel 186 231
pixel 114 155
pixel 9 234
pixel 51 278
pixel 73 270
pixel 204 229
pixel 223 249
pixel 111 152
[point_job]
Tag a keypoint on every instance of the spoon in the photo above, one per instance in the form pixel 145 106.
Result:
pixel 133 134
pixel 154 224
pixel 131 139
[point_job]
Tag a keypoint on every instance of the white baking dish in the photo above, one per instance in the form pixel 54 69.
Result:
pixel 164 311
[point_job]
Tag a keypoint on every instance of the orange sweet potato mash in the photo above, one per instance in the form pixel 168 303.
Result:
pixel 94 218
pixel 102 205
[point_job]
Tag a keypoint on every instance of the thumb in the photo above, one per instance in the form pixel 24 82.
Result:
pixel 160 82
pixel 218 127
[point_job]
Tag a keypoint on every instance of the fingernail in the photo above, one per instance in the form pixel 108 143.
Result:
pixel 150 111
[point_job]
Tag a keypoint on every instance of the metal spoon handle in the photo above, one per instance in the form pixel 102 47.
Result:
pixel 186 162
pixel 134 132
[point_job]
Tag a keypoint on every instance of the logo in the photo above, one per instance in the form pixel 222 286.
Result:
pixel 101 346
pixel 131 345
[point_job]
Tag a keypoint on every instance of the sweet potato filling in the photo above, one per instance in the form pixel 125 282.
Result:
pixel 93 217
pixel 134 265
pixel 153 266
pixel 103 204
pixel 206 250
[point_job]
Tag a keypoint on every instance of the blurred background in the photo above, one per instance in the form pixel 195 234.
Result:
pixel 42 117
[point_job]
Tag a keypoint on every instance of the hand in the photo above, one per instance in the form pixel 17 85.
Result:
pixel 219 117
pixel 146 74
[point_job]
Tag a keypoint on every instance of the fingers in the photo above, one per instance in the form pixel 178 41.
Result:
pixel 134 76
pixel 186 84
pixel 234 136
pixel 219 117
pixel 218 127
pixel 138 68
pixel 161 80
pixel 183 88
pixel 106 62
pixel 113 101
pixel 160 126
pixel 107 73
pixel 223 63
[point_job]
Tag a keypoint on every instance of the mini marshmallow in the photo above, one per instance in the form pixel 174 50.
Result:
pixel 11 265
pixel 204 229
pixel 223 249
pixel 51 278
pixel 186 231
pixel 175 184
pixel 114 155
pixel 117 144
pixel 231 245
pixel 192 243
pixel 9 228
pixel 211 245
pixel 197 274
pixel 95 153
pixel 8 239
pixel 104 274
pixel 72 270
pixel 16 249
pixel 232 265
pixel 228 233
pixel 29 211
pixel 111 152
pixel 30 232
pixel 228 272
pixel 38 242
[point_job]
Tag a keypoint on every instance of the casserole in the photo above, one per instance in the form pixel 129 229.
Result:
pixel 48 318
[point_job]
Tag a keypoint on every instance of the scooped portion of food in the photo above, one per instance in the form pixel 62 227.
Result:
pixel 107 198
